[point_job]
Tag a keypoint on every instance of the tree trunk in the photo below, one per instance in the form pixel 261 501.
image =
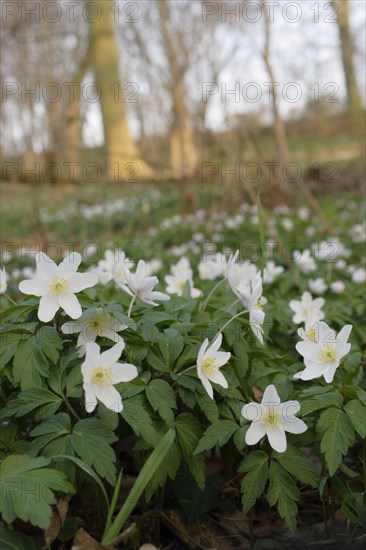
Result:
pixel 183 151
pixel 121 152
pixel 354 101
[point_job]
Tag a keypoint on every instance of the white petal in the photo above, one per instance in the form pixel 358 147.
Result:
pixel 218 378
pixel 252 411
pixel 111 335
pixel 205 383
pixel 90 397
pixel 277 438
pixel 69 265
pixel 202 351
pixel 329 374
pixel 221 357
pixel 110 397
pixel 37 287
pixel 343 336
pixel 72 327
pixel 46 268
pixel 70 305
pixel 111 356
pixel 123 372
pixel 270 396
pixel 215 346
pixel 48 306
pixel 92 358
pixel 309 350
pixel 140 272
pixel 293 425
pixel 156 295
pixel 79 281
pixel 255 432
pixel 312 370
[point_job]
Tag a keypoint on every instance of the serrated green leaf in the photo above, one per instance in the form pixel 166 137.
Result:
pixel 189 432
pixel 218 433
pixel 50 342
pixel 253 484
pixel 26 489
pixel 30 364
pixel 294 462
pixel 337 434
pixel 45 401
pixel 282 491
pixel 161 397
pixel 356 412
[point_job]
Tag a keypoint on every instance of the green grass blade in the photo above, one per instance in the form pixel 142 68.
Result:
pixel 113 502
pixel 88 470
pixel 262 233
pixel 147 472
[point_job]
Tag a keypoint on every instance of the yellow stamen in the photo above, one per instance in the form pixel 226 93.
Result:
pixel 209 366
pixel 98 323
pixel 258 304
pixel 271 418
pixel 59 286
pixel 327 354
pixel 102 376
pixel 310 333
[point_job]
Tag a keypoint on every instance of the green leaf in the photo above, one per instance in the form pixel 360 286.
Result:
pixel 171 344
pixel 26 490
pixel 50 342
pixel 208 407
pixel 30 364
pixel 189 432
pixel 147 472
pixel 194 501
pixel 138 415
pixel 253 484
pixel 282 491
pixel 337 434
pixel 321 401
pixel 12 540
pixel 45 401
pixel 218 433
pixel 90 439
pixel 356 412
pixel 161 397
pixel 294 462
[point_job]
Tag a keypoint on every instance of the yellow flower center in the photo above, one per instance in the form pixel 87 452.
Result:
pixel 327 354
pixel 258 304
pixel 310 333
pixel 181 285
pixel 102 376
pixel 209 365
pixel 59 286
pixel 271 418
pixel 98 323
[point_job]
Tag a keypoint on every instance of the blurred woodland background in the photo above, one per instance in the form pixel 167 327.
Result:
pixel 178 89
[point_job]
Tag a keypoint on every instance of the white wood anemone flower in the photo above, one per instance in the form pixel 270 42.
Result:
pixel 101 323
pixel 307 307
pixel 209 361
pixel 272 418
pixel 322 356
pixel 251 297
pixel 57 285
pixel 139 284
pixel 101 371
pixel 3 281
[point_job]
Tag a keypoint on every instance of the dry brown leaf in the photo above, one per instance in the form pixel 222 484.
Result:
pixel 57 520
pixel 83 541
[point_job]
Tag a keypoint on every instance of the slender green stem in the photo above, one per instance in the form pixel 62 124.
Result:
pixel 70 408
pixel 343 381
pixel 232 304
pixel 228 323
pixel 182 373
pixel 212 292
pixel 131 304
pixel 10 299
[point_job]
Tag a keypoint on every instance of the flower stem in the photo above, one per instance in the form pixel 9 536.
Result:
pixel 10 299
pixel 131 304
pixel 228 323
pixel 211 293
pixel 343 381
pixel 70 408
